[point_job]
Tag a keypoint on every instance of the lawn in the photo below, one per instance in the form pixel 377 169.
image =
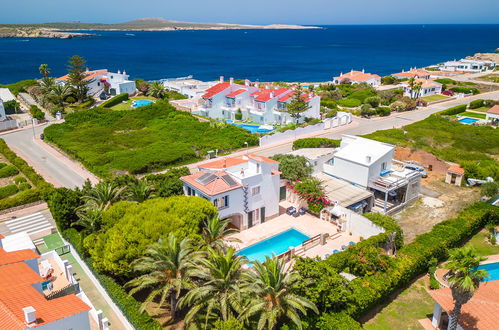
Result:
pixel 127 105
pixel 481 244
pixel 472 115
pixel 482 109
pixel 131 141
pixel 433 98
pixel 473 147
pixel 492 77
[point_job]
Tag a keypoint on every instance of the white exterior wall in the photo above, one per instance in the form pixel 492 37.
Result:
pixel 349 171
pixel 2 111
pixel 78 321
pixel 375 168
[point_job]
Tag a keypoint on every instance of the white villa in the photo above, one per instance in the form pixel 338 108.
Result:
pixel 192 88
pixel 39 291
pixel 428 87
pixel 105 81
pixel 412 73
pixel 465 65
pixel 245 189
pixel 492 115
pixel 369 165
pixel 260 105
pixel 357 77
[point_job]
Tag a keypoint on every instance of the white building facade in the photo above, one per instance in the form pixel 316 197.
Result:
pixel 192 88
pixel 244 189
pixel 105 81
pixel 428 87
pixel 465 65
pixel 266 105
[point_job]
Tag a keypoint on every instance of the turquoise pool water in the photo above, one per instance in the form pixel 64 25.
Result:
pixel 274 245
pixel 251 128
pixel 492 269
pixel 467 120
pixel 141 103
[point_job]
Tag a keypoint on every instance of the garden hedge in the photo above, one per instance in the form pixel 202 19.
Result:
pixel 115 100
pixel 315 143
pixel 411 261
pixel 465 90
pixel 8 190
pixel 453 111
pixel 476 104
pixel 8 170
pixel 126 303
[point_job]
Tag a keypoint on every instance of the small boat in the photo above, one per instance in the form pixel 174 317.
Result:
pixel 130 34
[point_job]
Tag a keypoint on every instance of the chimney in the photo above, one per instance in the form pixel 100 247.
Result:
pixel 221 79
pixel 271 95
pixel 119 71
pixel 246 82
pixel 363 71
pixel 368 159
pixel 341 74
pixel 124 72
pixel 87 69
pixel 256 84
pixel 231 80
pixel 351 71
pixel 29 315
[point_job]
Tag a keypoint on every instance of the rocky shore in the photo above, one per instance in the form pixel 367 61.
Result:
pixel 38 33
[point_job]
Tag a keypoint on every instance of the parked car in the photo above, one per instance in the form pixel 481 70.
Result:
pixel 448 93
pixel 424 174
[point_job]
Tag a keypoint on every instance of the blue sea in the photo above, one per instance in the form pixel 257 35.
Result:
pixel 265 55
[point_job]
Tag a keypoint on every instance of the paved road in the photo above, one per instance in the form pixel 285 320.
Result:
pixel 52 168
pixel 56 170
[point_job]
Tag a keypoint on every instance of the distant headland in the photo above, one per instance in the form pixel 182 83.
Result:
pixel 64 30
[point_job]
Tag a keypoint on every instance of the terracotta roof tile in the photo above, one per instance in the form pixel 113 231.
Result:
pixel 215 187
pixel 481 312
pixel 358 76
pixel 89 74
pixel 264 95
pixel 214 90
pixel 224 163
pixel 412 73
pixel 455 168
pixel 262 159
pixel 236 92
pixel 16 256
pixel 306 96
pixel 494 109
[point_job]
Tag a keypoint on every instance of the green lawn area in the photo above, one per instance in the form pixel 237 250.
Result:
pixel 131 141
pixel 51 242
pixel 481 109
pixel 472 114
pixel 481 244
pixel 433 98
pixel 492 77
pixel 127 105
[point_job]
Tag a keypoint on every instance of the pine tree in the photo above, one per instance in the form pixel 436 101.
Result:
pixel 297 105
pixel 76 77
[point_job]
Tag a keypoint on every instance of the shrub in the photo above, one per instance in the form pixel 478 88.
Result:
pixel 331 113
pixel 476 104
pixel 310 190
pixel 63 203
pixel 365 110
pixel 36 112
pixel 373 101
pixel 489 189
pixel 24 197
pixel 115 100
pixel 70 99
pixel 328 103
pixel 20 86
pixel 398 106
pixel 383 111
pixel 349 103
pixel 315 143
pixel 11 107
pixel 19 179
pixel 169 183
pixel 8 170
pixel 388 80
pixel 489 103
pixel 86 104
pixel 453 111
pixel 239 114
pixel 465 90
pixel 24 186
pixel 2 165
pixel 293 167
pixel 337 321
pixel 8 190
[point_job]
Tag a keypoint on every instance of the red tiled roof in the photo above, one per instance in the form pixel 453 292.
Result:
pixel 264 95
pixel 481 312
pixel 223 163
pixel 236 92
pixel 412 73
pixel 16 256
pixel 262 159
pixel 17 292
pixel 456 169
pixel 357 76
pixel 214 90
pixel 215 187
pixel 89 75
pixel 494 109
pixel 307 97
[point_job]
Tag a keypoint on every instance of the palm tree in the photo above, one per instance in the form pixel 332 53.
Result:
pixel 140 191
pixel 157 89
pixel 272 299
pixel 46 85
pixel 44 70
pixel 218 293
pixel 464 278
pixel 59 93
pixel 102 196
pixel 215 231
pixel 166 268
pixel 89 218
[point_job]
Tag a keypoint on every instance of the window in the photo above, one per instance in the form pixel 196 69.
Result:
pixel 222 202
pixel 383 166
pixel 255 190
pixel 257 168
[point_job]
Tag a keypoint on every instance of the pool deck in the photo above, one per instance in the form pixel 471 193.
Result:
pixel 307 224
pixel 491 259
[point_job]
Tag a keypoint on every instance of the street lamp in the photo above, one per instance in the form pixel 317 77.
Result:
pixel 247 147
pixel 33 126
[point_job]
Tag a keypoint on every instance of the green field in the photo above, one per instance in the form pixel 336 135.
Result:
pixel 127 105
pixel 433 98
pixel 131 141
pixel 472 115
pixel 482 109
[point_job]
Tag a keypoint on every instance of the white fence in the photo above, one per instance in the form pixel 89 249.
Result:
pixel 8 124
pixel 363 227
pixel 342 118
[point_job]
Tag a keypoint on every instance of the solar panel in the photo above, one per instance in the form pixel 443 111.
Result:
pixel 229 180
pixel 206 178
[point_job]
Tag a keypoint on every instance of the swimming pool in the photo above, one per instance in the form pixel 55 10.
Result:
pixel 492 269
pixel 467 120
pixel 276 245
pixel 141 103
pixel 251 128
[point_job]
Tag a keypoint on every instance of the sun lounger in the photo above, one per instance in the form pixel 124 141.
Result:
pixel 336 251
pixel 344 247
pixel 351 243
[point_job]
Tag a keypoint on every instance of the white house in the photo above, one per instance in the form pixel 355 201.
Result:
pixel 357 77
pixel 105 81
pixel 38 291
pixel 492 115
pixel 412 73
pixel 244 189
pixel 2 111
pixel 428 87
pixel 370 165
pixel 316 157
pixel 466 65
pixel 187 86
pixel 260 105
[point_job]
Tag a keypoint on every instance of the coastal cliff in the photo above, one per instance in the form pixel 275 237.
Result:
pixel 38 33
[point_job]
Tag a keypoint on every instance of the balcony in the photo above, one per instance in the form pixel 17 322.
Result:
pixel 58 276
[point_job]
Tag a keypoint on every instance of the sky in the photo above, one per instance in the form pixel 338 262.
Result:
pixel 310 12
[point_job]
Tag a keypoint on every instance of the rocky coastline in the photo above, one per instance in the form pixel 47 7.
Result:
pixel 39 33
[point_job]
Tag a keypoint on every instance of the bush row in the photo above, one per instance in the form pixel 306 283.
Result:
pixel 8 190
pixel 8 170
pixel 315 143
pixel 115 100
pixel 365 292
pixel 453 111
pixel 465 90
pixel 126 303
pixel 476 104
